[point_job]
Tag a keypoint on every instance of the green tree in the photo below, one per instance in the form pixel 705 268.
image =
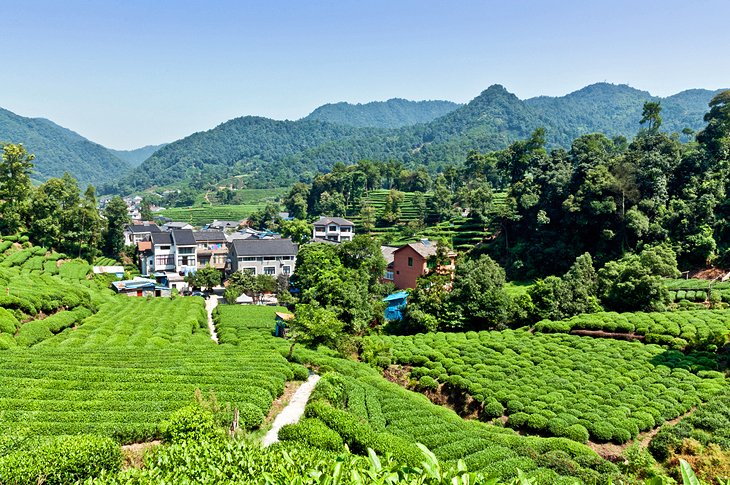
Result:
pixel 15 187
pixel 651 115
pixel 715 137
pixel 479 292
pixel 296 201
pixel 313 326
pixel 300 231
pixel 116 217
pixel 367 217
pixel 393 202
pixel 145 211
pixel 207 278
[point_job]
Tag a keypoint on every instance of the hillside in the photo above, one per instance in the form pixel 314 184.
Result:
pixel 276 153
pixel 58 150
pixel 393 113
pixel 135 157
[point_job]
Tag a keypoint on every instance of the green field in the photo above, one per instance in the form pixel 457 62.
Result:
pixel 253 200
pixel 461 232
pixel 562 385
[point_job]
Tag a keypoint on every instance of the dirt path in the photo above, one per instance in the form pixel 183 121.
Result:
pixel 210 305
pixel 293 412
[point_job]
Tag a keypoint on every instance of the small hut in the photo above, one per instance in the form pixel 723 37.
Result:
pixel 396 303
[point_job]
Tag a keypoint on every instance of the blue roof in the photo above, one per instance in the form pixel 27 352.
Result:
pixel 396 296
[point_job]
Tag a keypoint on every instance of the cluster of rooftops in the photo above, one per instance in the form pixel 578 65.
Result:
pixel 169 252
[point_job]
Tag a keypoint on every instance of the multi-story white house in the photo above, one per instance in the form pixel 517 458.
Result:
pixel 263 256
pixel 136 233
pixel 170 252
pixel 333 229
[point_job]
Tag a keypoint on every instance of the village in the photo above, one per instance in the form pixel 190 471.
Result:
pixel 168 253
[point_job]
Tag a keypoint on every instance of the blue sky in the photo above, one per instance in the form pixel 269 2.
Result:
pixel 130 73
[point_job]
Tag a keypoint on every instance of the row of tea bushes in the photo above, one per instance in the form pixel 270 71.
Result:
pixel 563 385
pixel 693 329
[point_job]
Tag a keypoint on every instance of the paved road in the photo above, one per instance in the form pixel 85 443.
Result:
pixel 293 411
pixel 210 305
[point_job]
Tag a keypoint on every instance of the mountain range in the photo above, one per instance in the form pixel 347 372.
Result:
pixel 268 152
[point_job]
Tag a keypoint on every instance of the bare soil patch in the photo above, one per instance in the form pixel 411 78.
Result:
pixel 280 403
pixel 604 334
pixel 134 454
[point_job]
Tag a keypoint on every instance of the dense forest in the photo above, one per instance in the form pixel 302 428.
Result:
pixel 135 157
pixel 60 150
pixel 394 113
pixel 278 153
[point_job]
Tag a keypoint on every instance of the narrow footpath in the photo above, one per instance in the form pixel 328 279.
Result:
pixel 292 412
pixel 210 305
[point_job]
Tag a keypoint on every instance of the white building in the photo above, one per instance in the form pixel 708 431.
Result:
pixel 136 233
pixel 263 256
pixel 333 229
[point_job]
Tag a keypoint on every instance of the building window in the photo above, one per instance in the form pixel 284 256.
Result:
pixel 270 270
pixel 410 261
pixel 388 275
pixel 164 248
pixel 269 258
pixel 333 228
pixel 249 270
pixel 168 260
pixel 286 269
pixel 319 228
pixel 286 258
pixel 247 258
pixel 345 229
pixel 185 250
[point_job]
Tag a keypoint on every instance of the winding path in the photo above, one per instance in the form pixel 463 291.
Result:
pixel 292 412
pixel 210 305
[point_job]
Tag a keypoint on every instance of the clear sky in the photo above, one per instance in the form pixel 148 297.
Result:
pixel 128 73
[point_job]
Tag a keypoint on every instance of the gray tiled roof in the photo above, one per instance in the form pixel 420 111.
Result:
pixel 183 237
pixel 264 247
pixel 161 238
pixel 216 236
pixel 323 221
pixel 143 228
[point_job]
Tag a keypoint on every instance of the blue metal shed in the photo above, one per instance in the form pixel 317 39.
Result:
pixel 396 303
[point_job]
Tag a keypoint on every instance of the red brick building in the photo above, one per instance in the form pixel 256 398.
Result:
pixel 410 262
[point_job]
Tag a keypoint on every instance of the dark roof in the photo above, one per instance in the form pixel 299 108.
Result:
pixel 264 247
pixel 209 236
pixel 425 248
pixel 335 220
pixel 159 238
pixel 183 237
pixel 142 228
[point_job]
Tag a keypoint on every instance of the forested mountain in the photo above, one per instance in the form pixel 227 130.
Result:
pixel 58 150
pixel 614 110
pixel 394 113
pixel 135 157
pixel 275 153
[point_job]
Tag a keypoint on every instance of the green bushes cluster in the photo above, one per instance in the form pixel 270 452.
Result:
pixel 313 432
pixel 36 331
pixel 693 328
pixel 190 423
pixel 564 385
pixel 62 460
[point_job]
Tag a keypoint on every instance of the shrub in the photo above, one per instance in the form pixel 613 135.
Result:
pixel 428 383
pixel 313 432
pixel 537 422
pixel 577 432
pixel 493 408
pixel 518 420
pixel 8 323
pixel 301 373
pixel 62 460
pixel 249 416
pixel 190 423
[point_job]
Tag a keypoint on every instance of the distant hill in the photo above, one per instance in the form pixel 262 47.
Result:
pixel 394 113
pixel 58 150
pixel 615 110
pixel 135 157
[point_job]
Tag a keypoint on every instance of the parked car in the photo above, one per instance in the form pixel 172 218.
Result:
pixel 200 293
